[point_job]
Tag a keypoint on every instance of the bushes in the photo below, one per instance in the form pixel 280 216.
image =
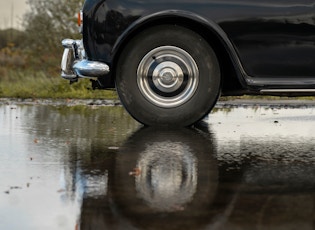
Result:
pixel 30 59
pixel 25 76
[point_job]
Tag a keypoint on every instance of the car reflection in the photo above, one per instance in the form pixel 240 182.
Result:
pixel 158 178
pixel 178 179
pixel 237 170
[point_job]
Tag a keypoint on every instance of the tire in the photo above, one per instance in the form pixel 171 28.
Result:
pixel 168 76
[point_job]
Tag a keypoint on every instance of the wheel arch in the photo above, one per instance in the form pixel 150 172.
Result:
pixel 231 69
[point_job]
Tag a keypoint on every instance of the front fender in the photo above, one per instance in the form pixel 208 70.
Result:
pixel 184 18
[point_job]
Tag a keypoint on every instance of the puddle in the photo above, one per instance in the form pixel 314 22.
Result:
pixel 94 167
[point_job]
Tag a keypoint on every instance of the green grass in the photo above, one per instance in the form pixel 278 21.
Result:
pixel 17 81
pixel 21 83
pixel 25 74
pixel 25 83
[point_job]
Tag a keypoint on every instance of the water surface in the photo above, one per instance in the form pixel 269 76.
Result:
pixel 94 167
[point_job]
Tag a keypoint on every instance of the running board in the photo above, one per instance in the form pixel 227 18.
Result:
pixel 287 91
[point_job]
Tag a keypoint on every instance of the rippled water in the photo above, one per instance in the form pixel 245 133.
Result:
pixel 94 167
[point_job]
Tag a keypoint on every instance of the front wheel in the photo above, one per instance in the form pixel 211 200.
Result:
pixel 168 75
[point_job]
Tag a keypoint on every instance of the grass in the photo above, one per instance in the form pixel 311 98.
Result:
pixel 19 83
pixel 24 74
pixel 26 83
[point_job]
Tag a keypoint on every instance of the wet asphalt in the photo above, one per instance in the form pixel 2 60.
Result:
pixel 89 165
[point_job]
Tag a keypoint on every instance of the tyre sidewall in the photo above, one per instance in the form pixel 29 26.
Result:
pixel 209 77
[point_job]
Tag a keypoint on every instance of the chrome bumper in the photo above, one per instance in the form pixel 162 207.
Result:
pixel 74 64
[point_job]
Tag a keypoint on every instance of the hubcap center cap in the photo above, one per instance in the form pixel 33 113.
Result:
pixel 168 76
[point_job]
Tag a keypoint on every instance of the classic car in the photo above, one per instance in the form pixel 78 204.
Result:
pixel 170 60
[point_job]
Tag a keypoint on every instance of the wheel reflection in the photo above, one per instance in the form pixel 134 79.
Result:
pixel 165 178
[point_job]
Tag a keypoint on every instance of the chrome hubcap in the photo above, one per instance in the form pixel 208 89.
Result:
pixel 167 76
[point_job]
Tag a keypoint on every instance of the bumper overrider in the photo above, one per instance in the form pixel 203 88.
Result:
pixel 74 64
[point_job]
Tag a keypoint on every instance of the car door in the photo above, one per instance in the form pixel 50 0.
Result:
pixel 273 39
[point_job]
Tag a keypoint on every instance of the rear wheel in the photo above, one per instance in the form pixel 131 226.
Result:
pixel 168 75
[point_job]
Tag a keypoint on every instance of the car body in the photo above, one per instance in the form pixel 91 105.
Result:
pixel 171 60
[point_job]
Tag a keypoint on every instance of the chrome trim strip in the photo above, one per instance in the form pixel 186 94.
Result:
pixel 304 82
pixel 287 91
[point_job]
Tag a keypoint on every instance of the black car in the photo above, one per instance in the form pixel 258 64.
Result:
pixel 170 60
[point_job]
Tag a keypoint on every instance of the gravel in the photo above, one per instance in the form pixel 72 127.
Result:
pixel 115 102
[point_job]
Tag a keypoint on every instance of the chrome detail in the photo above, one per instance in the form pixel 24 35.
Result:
pixel 66 65
pixel 287 91
pixel 281 83
pixel 68 43
pixel 87 68
pixel 168 76
pixel 81 21
pixel 74 63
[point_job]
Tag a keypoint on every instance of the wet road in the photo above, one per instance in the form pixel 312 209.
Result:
pixel 94 167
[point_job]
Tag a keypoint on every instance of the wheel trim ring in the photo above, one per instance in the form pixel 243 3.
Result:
pixel 182 68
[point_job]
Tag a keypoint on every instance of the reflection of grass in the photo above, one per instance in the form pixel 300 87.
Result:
pixel 25 84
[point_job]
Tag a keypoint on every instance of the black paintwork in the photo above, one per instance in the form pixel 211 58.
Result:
pixel 262 44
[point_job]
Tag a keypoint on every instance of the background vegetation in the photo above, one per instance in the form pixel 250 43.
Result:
pixel 30 59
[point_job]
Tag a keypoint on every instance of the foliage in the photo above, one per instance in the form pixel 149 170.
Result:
pixel 11 57
pixel 30 59
pixel 49 21
pixel 9 37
